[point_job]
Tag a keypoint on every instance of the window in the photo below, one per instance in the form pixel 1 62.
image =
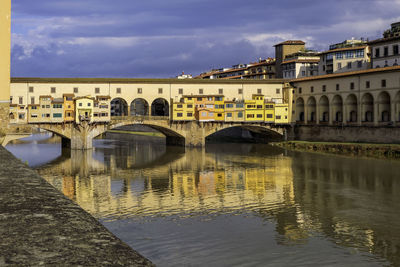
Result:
pixel 339 55
pixel 220 91
pixel 57 115
pixel 199 99
pixel 339 66
pixel 278 91
pixel 367 84
pixel 303 73
pixel 219 115
pixel 179 106
pixel 76 90
pixel 80 104
pixel 351 86
pixel 250 115
pixel 97 90
pixel 350 54
pixel 118 90
pixel 201 91
pixel 32 100
pixel 88 104
pixel 395 49
pixel 47 106
pixel 323 88
pixel 229 115
pixel 349 65
pixel 160 90
pixel 299 90
pixel 259 115
pixel 180 91
pixel 240 114
pixel 270 116
pixel 189 106
pixel 179 115
pixel 239 105
pixel 259 91
pixel 359 64
pixel 189 114
pixel 337 87
pixel 20 100
pixel 203 114
pixel 259 106
pixel 312 89
pixel 139 90
pixel 229 105
pixel 57 105
pixel 360 53
pixel 53 90
pixel 278 117
pixel 383 83
pixel 377 52
pixel 30 89
pixel 385 51
pixel 240 91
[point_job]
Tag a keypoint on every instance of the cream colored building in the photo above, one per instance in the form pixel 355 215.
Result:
pixel 152 93
pixel 385 51
pixel 300 65
pixel 350 55
pixel 84 109
pixel 367 97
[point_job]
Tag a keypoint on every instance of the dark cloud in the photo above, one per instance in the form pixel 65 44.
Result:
pixel 154 38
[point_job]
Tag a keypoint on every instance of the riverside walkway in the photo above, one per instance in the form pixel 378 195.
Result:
pixel 40 226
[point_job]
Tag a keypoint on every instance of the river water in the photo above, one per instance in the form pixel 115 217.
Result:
pixel 231 204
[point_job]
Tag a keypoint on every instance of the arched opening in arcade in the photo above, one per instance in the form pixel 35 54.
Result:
pixel 351 108
pixel 312 110
pixel 139 107
pixel 337 109
pixel 300 110
pixel 160 107
pixel 245 134
pixel 367 108
pixel 323 109
pixel 384 107
pixel 397 106
pixel 119 107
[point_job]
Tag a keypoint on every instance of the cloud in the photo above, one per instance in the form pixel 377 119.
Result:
pixel 154 38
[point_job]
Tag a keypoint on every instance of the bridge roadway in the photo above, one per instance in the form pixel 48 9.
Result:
pixel 192 133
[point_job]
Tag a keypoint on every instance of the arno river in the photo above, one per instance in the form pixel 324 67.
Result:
pixel 231 204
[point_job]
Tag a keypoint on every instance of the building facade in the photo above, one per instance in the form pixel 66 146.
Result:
pixel 385 51
pixel 282 50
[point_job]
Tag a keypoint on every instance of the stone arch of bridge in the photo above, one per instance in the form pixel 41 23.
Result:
pixel 56 129
pixel 266 131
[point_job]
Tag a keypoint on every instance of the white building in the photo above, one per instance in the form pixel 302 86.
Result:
pixel 385 51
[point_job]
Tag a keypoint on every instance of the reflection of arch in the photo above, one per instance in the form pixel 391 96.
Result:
pixel 139 107
pixel 300 109
pixel 312 109
pixel 324 109
pixel 337 108
pixel 397 106
pixel 160 107
pixel 367 108
pixel 384 106
pixel 351 108
pixel 119 107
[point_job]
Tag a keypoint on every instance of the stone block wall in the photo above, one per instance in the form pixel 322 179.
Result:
pixel 352 134
pixel 4 112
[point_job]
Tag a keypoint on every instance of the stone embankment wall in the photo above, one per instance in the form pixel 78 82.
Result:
pixel 356 134
pixel 4 109
pixel 351 149
pixel 40 226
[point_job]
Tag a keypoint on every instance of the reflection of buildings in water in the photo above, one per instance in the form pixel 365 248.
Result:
pixel 354 201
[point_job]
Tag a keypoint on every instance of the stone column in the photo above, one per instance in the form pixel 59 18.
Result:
pixel 376 113
pixel 359 115
pixel 393 112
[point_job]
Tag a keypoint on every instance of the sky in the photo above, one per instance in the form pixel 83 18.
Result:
pixel 163 38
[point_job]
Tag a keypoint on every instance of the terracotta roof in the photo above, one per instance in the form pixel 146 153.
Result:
pixel 33 105
pixel 45 96
pixel 301 61
pixel 382 40
pixel 82 97
pixel 13 105
pixel 68 95
pixel 344 49
pixel 292 42
pixel 58 100
pixel 262 63
pixel 231 77
pixel 103 96
pixel 217 95
pixel 350 73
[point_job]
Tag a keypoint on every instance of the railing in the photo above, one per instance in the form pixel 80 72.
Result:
pixel 139 118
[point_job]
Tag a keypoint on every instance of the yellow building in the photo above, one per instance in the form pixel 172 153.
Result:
pixel 255 108
pixel 204 107
pixel 281 113
pixel 45 109
pixel 69 107
pixel 101 109
pixel 57 111
pixel 219 108
pixel 269 112
pixel 184 109
pixel 84 109
pixel 234 111
pixel 5 26
pixel 34 114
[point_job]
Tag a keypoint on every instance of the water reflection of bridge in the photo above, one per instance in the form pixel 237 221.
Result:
pixel 342 198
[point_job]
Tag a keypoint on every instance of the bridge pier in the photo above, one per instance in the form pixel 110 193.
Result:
pixel 81 137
